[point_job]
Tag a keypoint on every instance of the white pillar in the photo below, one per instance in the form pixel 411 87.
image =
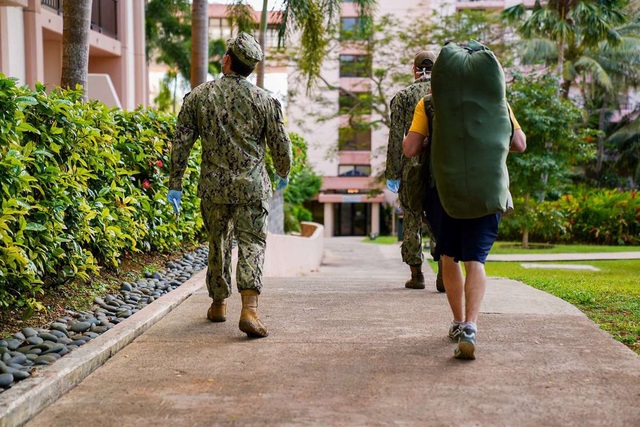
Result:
pixel 328 219
pixel 375 219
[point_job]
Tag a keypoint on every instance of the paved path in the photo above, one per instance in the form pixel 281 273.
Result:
pixel 350 346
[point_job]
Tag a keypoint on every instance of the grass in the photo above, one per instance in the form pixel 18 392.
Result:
pixel 610 297
pixel 505 248
pixel 382 240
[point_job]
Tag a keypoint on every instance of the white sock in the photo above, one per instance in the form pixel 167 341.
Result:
pixel 470 325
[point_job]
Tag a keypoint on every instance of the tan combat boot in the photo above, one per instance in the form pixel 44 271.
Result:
pixel 417 278
pixel 250 324
pixel 218 311
pixel 439 279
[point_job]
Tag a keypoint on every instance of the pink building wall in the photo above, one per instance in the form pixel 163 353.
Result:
pixel 31 49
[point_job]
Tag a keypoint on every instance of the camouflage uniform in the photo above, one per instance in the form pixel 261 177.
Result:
pixel 399 167
pixel 235 121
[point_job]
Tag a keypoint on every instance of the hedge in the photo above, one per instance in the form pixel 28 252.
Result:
pixel 82 185
pixel 588 216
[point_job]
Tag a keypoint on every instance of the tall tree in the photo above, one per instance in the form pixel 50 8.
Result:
pixel 262 39
pixel 75 43
pixel 556 142
pixel 561 30
pixel 626 140
pixel 593 42
pixel 168 33
pixel 392 43
pixel 199 42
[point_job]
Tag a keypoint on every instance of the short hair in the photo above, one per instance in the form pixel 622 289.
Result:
pixel 238 66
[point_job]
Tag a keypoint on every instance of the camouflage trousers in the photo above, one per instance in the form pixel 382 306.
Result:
pixel 247 223
pixel 411 248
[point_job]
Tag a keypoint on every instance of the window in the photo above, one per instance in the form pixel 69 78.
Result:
pixel 354 170
pixel 356 104
pixel 355 65
pixel 354 28
pixel 354 139
pixel 272 35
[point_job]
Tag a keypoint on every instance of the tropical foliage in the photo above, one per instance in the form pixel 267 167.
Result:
pixel 609 217
pixel 594 45
pixel 304 186
pixel 82 186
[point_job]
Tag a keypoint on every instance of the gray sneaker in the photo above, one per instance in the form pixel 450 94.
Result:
pixel 455 331
pixel 466 345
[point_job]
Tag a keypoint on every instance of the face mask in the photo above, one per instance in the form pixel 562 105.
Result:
pixel 425 74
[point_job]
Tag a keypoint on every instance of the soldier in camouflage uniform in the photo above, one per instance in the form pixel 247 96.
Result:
pixel 401 170
pixel 235 121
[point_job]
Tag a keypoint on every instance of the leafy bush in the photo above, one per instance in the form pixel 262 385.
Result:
pixel 606 217
pixel 304 185
pixel 82 185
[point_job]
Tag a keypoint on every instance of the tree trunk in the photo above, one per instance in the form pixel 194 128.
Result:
pixel 601 120
pixel 199 42
pixel 566 84
pixel 76 25
pixel 263 44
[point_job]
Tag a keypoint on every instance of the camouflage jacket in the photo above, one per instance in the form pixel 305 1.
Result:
pixel 235 121
pixel 403 105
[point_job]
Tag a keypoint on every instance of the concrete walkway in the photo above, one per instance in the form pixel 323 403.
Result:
pixel 350 346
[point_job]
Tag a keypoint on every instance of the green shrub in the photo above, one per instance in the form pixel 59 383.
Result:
pixel 605 217
pixel 82 185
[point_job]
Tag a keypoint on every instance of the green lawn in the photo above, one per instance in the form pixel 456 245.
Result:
pixel 502 248
pixel 610 297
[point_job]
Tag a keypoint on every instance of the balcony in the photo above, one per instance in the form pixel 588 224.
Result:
pixel 104 15
pixel 480 4
pixel 14 3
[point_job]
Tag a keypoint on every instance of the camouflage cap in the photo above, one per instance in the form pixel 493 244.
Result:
pixel 246 48
pixel 424 59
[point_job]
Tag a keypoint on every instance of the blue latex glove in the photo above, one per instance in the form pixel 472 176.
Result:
pixel 281 182
pixel 174 197
pixel 393 185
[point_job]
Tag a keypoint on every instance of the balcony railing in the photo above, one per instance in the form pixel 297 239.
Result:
pixel 104 15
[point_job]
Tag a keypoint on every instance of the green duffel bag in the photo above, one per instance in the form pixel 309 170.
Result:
pixel 471 131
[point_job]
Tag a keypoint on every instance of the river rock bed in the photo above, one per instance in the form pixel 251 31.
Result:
pixel 33 347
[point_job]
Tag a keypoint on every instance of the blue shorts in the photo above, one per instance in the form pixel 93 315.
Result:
pixel 467 239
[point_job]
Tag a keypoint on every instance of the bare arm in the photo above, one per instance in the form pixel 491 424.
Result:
pixel 412 144
pixel 518 142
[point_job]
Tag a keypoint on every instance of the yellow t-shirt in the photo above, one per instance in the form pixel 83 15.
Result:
pixel 420 122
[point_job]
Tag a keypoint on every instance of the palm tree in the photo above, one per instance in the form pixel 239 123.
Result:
pixel 315 19
pixel 168 33
pixel 562 30
pixel 595 42
pixel 626 138
pixel 75 43
pixel 199 42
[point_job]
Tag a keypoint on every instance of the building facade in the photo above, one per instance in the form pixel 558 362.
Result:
pixel 31 48
pixel 350 158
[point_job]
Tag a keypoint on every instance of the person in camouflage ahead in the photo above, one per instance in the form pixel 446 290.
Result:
pixel 401 170
pixel 235 121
